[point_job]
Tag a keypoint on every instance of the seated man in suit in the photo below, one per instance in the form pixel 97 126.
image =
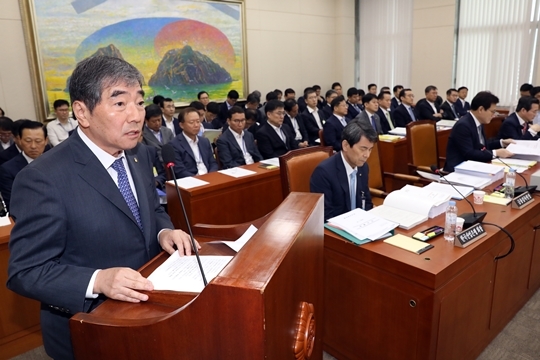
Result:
pixel 295 122
pixel 333 127
pixel 14 149
pixel 519 125
pixel 352 101
pixel 395 100
pixel 290 94
pixel 203 98
pixel 343 178
pixel 312 116
pixel 272 95
pixel 155 134
pixel 384 113
pixel 448 107
pixel 372 89
pixel 275 138
pixel 252 121
pixel 60 128
pixel 232 98
pixel 168 109
pixel 33 139
pixel 87 213
pixel 468 141
pixel 462 106
pixel 235 146
pixel 427 108
pixel 369 115
pixel 405 113
pixel 6 136
pixel 201 109
pixel 327 108
pixel 337 88
pixel 193 154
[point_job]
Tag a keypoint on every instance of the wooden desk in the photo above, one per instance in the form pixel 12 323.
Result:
pixel 227 200
pixel 19 316
pixel 382 302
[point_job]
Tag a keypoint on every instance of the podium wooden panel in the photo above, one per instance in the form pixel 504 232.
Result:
pixel 382 302
pixel 227 200
pixel 250 311
pixel 19 316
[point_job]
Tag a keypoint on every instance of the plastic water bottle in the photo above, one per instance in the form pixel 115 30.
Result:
pixel 450 223
pixel 510 184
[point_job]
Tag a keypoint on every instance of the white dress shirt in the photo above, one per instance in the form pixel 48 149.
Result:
pixel 169 125
pixel 194 145
pixel 315 113
pixel 242 144
pixel 58 132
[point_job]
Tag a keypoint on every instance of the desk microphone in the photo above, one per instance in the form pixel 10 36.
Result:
pixel 167 151
pixel 520 189
pixel 470 218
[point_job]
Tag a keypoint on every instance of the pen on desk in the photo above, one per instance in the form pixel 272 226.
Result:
pixel 425 249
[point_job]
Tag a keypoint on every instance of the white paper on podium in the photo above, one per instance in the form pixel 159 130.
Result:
pixel 4 221
pixel 241 241
pixel 272 161
pixel 183 274
pixel 237 172
pixel 363 224
pixel 189 182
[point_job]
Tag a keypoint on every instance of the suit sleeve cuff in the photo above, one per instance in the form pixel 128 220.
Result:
pixel 494 152
pixel 90 289
pixel 533 133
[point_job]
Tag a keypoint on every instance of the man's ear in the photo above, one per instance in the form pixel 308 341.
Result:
pixel 82 113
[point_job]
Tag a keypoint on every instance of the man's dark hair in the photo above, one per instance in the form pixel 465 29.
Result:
pixel 212 107
pixel 158 99
pixel 355 130
pixel 397 87
pixel 370 86
pixel 535 90
pixel 60 102
pixel 352 91
pixel 30 124
pixel 186 111
pixel 272 95
pixel 233 94
pixel 525 87
pixel 234 110
pixel 314 87
pixel 201 94
pixel 278 92
pixel 449 91
pixel 2 112
pixel 163 101
pixel 361 92
pixel 338 100
pixel 382 93
pixel 484 99
pixel 462 88
pixel 6 124
pixel 289 91
pixel 525 102
pixel 385 88
pixel 402 93
pixel 368 97
pixel 253 98
pixel 308 92
pixel 429 88
pixel 329 93
pixel 289 104
pixel 335 84
pixel 273 105
pixel 94 74
pixel 152 110
pixel 252 114
pixel 197 105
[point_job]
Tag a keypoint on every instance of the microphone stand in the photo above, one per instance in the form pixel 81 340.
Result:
pixel 520 189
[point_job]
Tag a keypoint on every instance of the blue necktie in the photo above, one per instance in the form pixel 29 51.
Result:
pixel 125 190
pixel 412 114
pixel 352 190
pixel 373 122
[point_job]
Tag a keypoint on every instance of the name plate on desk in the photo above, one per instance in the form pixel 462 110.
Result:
pixel 469 236
pixel 522 200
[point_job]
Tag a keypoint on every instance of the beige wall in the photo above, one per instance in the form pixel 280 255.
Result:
pixel 432 45
pixel 291 43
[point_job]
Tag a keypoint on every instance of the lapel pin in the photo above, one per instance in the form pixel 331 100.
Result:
pixel 135 159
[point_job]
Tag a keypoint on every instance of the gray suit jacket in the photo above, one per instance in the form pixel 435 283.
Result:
pixel 71 219
pixel 150 139
pixel 364 117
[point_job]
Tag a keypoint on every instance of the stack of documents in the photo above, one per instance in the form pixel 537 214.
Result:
pixel 412 205
pixel 362 224
pixel 476 174
pixel 446 123
pixel 448 189
pixel 401 131
pixel 525 149
pixel 515 163
pixel 389 138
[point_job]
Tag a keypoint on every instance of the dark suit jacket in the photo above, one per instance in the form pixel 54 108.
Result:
pixel 270 144
pixel 10 143
pixel 394 104
pixel 287 120
pixel 384 121
pixel 464 144
pixel 160 176
pixel 184 159
pixel 462 110
pixel 8 171
pixel 332 130
pixel 365 117
pixel 81 223
pixel 8 153
pixel 511 129
pixel 311 125
pixel 425 111
pixel 448 114
pixel 230 153
pixel 150 139
pixel 402 117
pixel 327 111
pixel 330 178
pixel 301 104
pixel 176 123
pixel 222 115
pixel 352 112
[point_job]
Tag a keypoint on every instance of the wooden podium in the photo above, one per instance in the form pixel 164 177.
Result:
pixel 266 304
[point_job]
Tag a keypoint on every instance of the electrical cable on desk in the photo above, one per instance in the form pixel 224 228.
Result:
pixel 512 242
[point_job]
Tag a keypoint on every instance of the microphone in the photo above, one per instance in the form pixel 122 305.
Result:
pixel 520 189
pixel 470 218
pixel 167 151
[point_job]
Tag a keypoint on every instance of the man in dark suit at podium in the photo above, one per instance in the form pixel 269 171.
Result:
pixel 98 216
pixel 468 140
pixel 343 178
pixel 519 125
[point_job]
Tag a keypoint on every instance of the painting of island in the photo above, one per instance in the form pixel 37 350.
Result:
pixel 180 47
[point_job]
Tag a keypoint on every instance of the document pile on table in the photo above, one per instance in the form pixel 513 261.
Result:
pixel 476 174
pixel 401 131
pixel 360 227
pixel 525 149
